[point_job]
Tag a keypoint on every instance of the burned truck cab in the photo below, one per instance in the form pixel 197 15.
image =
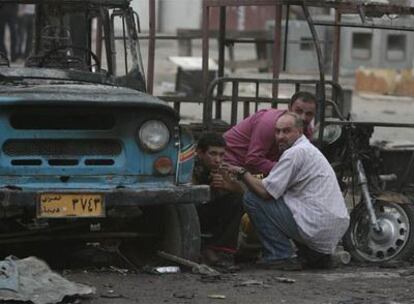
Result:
pixel 85 152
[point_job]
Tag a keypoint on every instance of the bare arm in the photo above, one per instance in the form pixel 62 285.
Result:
pixel 255 185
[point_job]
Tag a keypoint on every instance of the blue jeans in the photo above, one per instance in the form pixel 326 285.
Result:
pixel 274 225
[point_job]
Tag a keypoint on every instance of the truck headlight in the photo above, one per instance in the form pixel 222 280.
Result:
pixel 154 135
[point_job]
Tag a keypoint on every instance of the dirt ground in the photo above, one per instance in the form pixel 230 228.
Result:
pixel 346 285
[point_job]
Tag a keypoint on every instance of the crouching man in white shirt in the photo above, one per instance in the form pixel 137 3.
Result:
pixel 300 200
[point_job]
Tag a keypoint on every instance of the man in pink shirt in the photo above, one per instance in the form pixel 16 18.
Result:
pixel 252 144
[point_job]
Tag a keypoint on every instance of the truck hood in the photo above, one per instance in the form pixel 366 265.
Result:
pixel 78 95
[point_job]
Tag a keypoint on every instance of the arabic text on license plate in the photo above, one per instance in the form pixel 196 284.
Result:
pixel 70 205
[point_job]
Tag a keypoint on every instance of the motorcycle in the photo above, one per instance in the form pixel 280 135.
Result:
pixel 382 219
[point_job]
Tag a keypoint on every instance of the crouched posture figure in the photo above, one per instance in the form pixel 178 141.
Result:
pixel 299 200
pixel 220 217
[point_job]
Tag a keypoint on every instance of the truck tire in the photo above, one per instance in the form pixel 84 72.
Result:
pixel 182 235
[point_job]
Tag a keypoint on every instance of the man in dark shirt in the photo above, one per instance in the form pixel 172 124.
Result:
pixel 220 217
pixel 251 143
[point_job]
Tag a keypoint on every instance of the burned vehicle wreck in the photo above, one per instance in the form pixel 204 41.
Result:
pixel 86 153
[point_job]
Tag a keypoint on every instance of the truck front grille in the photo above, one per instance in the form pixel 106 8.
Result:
pixel 59 119
pixel 62 147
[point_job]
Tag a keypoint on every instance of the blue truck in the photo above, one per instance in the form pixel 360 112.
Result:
pixel 86 153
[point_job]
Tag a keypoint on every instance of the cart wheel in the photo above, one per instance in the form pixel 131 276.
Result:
pixel 394 242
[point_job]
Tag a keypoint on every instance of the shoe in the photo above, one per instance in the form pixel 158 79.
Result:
pixel 325 262
pixel 210 257
pixel 245 256
pixel 283 264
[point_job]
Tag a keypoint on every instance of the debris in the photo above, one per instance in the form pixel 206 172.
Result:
pixel 8 275
pixel 353 300
pixel 119 270
pixel 167 269
pixel 407 273
pixel 284 280
pixel 210 278
pixel 40 285
pixel 359 275
pixel 251 283
pixel 195 267
pixel 72 301
pixel 216 296
pixel 161 270
pixel 231 269
pixel 342 257
pixel 394 264
pixel 183 295
pixel 111 294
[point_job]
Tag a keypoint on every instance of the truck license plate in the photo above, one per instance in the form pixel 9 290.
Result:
pixel 58 205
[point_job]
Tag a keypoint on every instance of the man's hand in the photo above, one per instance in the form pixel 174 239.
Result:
pixel 217 180
pixel 232 170
pixel 254 184
pixel 223 179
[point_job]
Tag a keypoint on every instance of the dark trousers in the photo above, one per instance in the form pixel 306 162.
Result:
pixel 25 35
pixel 11 21
pixel 221 218
pixel 275 226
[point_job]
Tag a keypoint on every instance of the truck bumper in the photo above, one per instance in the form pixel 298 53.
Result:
pixel 13 201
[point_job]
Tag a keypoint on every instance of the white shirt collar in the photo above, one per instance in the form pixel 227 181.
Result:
pixel 300 140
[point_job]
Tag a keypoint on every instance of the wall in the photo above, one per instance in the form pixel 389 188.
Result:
pixel 173 14
pixel 142 8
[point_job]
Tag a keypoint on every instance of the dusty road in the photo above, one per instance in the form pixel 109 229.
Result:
pixel 347 285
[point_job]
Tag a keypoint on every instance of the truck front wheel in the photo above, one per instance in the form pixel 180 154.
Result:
pixel 181 235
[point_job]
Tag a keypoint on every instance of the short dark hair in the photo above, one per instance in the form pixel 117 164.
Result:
pixel 210 139
pixel 305 96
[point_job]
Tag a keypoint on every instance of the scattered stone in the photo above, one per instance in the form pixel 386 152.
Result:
pixel 394 264
pixel 183 295
pixel 216 296
pixel 161 270
pixel 210 278
pixel 119 270
pixel 195 267
pixel 251 283
pixel 284 280
pixel 111 294
pixel 407 273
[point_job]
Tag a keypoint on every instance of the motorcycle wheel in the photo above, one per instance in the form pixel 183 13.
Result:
pixel 394 242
